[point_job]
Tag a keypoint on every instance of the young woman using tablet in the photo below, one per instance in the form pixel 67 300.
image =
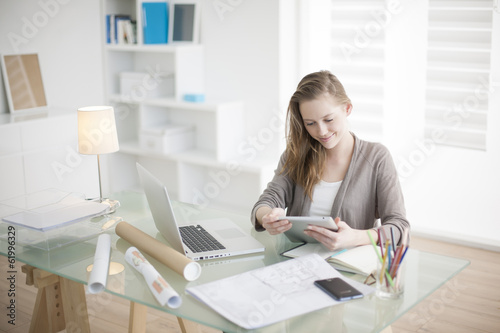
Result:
pixel 328 171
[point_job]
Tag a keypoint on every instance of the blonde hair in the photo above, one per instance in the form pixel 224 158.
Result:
pixel 305 156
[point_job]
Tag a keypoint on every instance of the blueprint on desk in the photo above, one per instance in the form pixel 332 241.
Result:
pixel 273 293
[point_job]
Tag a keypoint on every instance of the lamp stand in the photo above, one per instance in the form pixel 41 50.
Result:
pixel 113 204
pixel 99 173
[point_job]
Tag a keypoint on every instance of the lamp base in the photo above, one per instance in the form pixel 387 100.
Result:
pixel 113 204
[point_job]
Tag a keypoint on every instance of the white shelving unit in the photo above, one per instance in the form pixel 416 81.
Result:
pixel 458 58
pixel 210 173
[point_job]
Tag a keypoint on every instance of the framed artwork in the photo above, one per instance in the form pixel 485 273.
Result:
pixel 184 22
pixel 23 82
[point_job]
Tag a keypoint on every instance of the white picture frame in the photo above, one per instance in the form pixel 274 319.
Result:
pixel 184 21
pixel 23 83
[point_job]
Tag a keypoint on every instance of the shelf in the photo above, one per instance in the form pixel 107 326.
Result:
pixel 156 48
pixel 195 156
pixel 29 115
pixel 173 103
pixel 170 102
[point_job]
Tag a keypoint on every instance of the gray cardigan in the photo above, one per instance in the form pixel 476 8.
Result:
pixel 369 191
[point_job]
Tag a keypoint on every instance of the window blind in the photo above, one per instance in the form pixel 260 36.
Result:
pixel 358 60
pixel 458 69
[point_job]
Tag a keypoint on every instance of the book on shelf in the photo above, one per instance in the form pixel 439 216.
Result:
pixel 155 22
pixel 120 29
pixel 359 260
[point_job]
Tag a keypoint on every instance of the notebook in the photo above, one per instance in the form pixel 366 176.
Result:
pixel 223 237
pixel 359 260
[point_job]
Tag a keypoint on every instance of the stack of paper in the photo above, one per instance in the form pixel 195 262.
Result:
pixel 69 209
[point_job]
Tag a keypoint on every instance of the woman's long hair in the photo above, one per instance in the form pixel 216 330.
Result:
pixel 305 156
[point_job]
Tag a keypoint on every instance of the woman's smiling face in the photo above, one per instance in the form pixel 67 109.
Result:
pixel 325 120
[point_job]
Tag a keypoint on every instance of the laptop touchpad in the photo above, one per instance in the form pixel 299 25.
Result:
pixel 230 233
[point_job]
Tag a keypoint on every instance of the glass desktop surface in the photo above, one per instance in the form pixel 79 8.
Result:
pixel 425 273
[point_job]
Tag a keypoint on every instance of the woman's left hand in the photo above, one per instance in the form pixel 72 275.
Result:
pixel 344 237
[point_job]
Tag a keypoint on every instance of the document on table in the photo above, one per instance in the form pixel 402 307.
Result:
pixel 68 210
pixel 273 293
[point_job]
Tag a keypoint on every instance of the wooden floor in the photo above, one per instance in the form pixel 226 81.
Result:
pixel 470 302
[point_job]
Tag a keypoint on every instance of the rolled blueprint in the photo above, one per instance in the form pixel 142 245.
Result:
pixel 99 275
pixel 176 261
pixel 161 290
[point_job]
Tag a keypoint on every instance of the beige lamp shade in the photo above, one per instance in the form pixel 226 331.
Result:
pixel 97 130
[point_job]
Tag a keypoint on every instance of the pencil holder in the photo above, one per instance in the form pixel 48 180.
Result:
pixel 390 280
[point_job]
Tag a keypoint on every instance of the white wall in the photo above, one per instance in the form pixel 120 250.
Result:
pixel 454 193
pixel 450 193
pixel 67 37
pixel 241 41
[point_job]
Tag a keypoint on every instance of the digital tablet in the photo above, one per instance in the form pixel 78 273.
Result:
pixel 299 224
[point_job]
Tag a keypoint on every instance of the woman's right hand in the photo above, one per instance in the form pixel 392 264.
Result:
pixel 271 223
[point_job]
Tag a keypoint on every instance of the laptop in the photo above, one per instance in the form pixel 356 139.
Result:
pixel 221 236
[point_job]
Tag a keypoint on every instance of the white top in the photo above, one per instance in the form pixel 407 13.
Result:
pixel 323 196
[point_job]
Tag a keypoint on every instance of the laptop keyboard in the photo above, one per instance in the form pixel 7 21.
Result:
pixel 198 239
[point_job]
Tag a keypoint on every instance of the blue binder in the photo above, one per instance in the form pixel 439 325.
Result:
pixel 155 22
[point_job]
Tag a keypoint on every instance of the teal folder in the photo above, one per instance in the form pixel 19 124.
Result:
pixel 155 22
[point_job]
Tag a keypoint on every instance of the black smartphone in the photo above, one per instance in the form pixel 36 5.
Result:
pixel 338 289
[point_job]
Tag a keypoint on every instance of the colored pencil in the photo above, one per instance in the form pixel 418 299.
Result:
pixel 387 275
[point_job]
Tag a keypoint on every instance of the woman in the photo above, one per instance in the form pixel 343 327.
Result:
pixel 327 171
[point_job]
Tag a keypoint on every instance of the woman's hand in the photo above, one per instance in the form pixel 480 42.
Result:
pixel 271 223
pixel 344 237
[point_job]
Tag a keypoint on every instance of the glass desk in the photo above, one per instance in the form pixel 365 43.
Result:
pixel 425 273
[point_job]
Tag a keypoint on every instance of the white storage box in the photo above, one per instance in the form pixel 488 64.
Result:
pixel 167 139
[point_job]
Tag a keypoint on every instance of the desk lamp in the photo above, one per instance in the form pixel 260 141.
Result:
pixel 97 135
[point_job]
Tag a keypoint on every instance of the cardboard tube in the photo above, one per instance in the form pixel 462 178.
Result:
pixel 176 261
